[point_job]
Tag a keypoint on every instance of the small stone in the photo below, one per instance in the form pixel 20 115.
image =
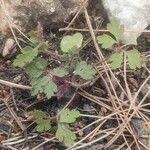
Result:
pixel 8 62
pixel 133 14
pixel 8 47
pixel 17 79
pixel 26 14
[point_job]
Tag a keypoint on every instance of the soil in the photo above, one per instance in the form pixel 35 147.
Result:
pixel 92 99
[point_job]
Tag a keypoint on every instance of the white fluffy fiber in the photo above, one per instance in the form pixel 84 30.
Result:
pixel 134 14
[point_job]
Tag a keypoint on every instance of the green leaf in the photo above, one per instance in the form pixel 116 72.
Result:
pixel 134 59
pixel 27 55
pixel 33 72
pixel 132 39
pixel 115 28
pixel 71 43
pixel 65 135
pixel 43 125
pixel 44 85
pixel 36 67
pixel 37 86
pixel 41 119
pixel 40 63
pixel 85 71
pixel 34 37
pixel 69 116
pixel 60 72
pixel 116 60
pixel 38 114
pixel 106 41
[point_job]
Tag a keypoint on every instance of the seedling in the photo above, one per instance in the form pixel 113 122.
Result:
pixel 115 36
pixel 63 133
pixel 55 81
pixel 41 119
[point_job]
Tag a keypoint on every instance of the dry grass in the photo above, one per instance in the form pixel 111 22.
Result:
pixel 121 105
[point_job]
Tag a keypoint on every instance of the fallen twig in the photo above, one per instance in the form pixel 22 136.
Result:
pixel 14 85
pixel 104 30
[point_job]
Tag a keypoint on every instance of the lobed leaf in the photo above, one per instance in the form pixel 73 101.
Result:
pixel 27 55
pixel 134 59
pixel 115 28
pixel 69 116
pixel 116 60
pixel 37 114
pixel 36 67
pixel 40 63
pixel 34 37
pixel 60 72
pixel 71 43
pixel 132 40
pixel 43 125
pixel 106 41
pixel 41 119
pixel 44 85
pixel 84 70
pixel 65 135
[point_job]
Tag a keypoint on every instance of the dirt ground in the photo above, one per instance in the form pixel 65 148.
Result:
pixel 104 126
